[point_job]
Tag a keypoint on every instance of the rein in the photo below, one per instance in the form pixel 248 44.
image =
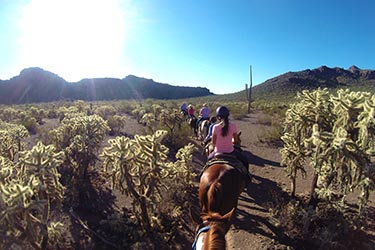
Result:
pixel 202 230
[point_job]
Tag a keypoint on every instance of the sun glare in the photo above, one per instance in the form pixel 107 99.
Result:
pixel 74 38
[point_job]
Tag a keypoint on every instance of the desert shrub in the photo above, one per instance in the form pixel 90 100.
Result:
pixel 11 142
pixel 29 122
pixel 273 108
pixel 238 110
pixel 105 111
pixel 272 136
pixel 265 119
pixel 8 114
pixel 325 227
pixel 37 113
pixel 30 187
pixel 140 165
pixel 116 123
pixel 44 135
pixel 52 113
pixel 82 106
pixel 80 137
pixel 125 107
pixel 138 113
pixel 335 133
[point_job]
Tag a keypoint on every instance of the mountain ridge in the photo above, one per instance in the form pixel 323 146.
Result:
pixel 35 85
pixel 319 77
pixel 38 85
pixel 285 86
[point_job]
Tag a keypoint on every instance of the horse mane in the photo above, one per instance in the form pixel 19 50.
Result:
pixel 216 237
pixel 219 188
pixel 219 225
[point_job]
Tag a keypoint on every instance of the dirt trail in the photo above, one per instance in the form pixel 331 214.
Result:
pixel 253 227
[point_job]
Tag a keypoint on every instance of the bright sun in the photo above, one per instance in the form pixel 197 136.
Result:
pixel 74 38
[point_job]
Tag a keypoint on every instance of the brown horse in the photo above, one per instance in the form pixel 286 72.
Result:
pixel 192 120
pixel 203 129
pixel 219 188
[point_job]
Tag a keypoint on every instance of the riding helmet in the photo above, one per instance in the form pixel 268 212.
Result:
pixel 222 112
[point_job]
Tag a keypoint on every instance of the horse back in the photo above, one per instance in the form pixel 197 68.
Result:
pixel 219 188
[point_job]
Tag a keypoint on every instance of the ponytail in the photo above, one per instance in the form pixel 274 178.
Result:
pixel 224 129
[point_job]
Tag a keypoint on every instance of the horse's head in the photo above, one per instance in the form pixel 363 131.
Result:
pixel 210 233
pixel 208 148
pixel 238 144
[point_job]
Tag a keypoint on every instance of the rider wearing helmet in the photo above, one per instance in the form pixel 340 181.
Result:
pixel 224 133
pixel 183 108
pixel 190 110
pixel 204 114
pixel 212 121
pixel 224 136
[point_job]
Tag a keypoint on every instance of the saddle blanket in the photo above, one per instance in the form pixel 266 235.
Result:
pixel 229 160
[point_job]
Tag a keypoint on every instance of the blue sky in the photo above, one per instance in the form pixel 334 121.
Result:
pixel 187 43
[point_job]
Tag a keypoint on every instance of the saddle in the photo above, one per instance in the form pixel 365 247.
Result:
pixel 229 159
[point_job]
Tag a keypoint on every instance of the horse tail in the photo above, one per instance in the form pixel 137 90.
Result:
pixel 214 196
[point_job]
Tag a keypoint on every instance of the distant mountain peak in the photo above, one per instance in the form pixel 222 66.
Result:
pixel 354 68
pixel 323 77
pixel 35 84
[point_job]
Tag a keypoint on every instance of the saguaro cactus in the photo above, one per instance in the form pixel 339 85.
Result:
pixel 248 91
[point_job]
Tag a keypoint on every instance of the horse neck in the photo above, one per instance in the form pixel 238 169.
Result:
pixel 215 238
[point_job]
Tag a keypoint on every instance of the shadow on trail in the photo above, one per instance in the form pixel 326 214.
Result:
pixel 264 194
pixel 259 161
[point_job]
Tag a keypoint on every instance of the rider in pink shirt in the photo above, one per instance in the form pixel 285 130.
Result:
pixel 224 143
pixel 224 136
pixel 224 133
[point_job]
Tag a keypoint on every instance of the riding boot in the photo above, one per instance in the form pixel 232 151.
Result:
pixel 245 162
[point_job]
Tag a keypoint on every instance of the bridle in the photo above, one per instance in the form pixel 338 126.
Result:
pixel 201 230
pixel 204 227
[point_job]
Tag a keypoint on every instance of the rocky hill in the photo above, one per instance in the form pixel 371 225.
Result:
pixel 323 77
pixel 287 85
pixel 34 85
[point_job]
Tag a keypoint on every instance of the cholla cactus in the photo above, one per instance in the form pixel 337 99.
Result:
pixel 81 106
pixel 171 118
pixel 12 136
pixel 149 119
pixel 37 113
pixel 140 163
pixel 27 189
pixel 105 111
pixel 80 136
pixel 336 134
pixel 116 123
pixel 42 162
pixel 8 114
pixel 138 113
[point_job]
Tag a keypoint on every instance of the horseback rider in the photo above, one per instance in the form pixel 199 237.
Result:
pixel 190 110
pixel 204 114
pixel 212 122
pixel 225 136
pixel 183 108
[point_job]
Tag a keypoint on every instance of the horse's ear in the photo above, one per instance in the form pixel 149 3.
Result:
pixel 239 133
pixel 195 217
pixel 228 216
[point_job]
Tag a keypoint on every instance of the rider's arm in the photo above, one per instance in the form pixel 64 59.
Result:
pixel 214 139
pixel 235 138
pixel 209 134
